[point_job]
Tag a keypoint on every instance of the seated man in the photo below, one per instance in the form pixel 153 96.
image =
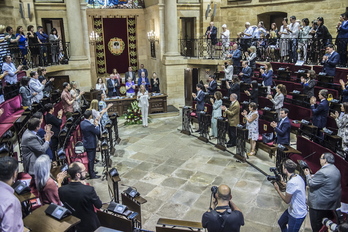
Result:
pixel 81 197
pixel 224 215
pixel 282 128
pixel 10 207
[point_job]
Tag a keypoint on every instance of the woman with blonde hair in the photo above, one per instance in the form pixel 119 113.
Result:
pixel 251 57
pixel 143 98
pixel 75 93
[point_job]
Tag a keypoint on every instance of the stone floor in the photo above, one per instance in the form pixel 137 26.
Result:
pixel 174 172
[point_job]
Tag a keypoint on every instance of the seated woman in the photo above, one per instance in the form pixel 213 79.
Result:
pixel 26 93
pixel 278 100
pixel 234 87
pixel 56 122
pixel 252 125
pixel 130 86
pixel 254 92
pixel 267 75
pixel 309 83
pixel 45 185
pixel 155 83
pixel 342 124
pixel 103 107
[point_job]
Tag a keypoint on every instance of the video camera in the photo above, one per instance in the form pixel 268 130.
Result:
pixel 334 226
pixel 276 178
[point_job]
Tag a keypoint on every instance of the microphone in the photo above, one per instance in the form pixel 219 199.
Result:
pixel 69 207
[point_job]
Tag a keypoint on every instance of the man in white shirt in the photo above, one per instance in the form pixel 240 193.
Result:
pixel 295 196
pixel 293 29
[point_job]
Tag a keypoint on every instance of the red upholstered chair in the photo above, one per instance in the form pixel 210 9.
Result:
pixel 12 110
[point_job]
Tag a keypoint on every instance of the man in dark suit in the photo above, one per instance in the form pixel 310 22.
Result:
pixel 320 111
pixel 246 73
pixel 142 69
pixel 212 86
pixel 90 132
pixel 330 60
pixel 282 128
pixel 199 98
pixel 81 197
pixel 342 38
pixel 236 56
pixel 211 33
pixel 112 85
pixel 32 145
pixel 324 193
pixel 131 74
pixel 143 80
pixel 232 113
pixel 56 122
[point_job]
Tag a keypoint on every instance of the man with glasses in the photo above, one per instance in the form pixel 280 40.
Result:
pixel 324 190
pixel 81 197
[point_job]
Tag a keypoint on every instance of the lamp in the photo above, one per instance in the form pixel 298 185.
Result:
pixel 93 37
pixel 151 36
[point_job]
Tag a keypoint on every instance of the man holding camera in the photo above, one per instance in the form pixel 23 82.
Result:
pixel 295 196
pixel 324 190
pixel 224 215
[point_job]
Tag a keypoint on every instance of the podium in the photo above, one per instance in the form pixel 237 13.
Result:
pixel 222 127
pixel 113 187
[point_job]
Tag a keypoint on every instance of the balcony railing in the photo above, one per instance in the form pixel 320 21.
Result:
pixel 275 50
pixel 45 54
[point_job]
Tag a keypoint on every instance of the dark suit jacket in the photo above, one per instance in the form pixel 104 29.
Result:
pixel 127 75
pixel 320 113
pixel 234 88
pixel 283 132
pixel 212 86
pixel 329 66
pixel 212 34
pixel 246 78
pixel 200 101
pixel 236 57
pixel 267 78
pixel 89 132
pixel 82 198
pixel 55 122
pixel 308 88
pixel 147 82
pixel 111 87
pixel 343 31
pixel 142 70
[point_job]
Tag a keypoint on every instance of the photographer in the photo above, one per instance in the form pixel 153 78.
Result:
pixel 224 215
pixel 295 196
pixel 324 193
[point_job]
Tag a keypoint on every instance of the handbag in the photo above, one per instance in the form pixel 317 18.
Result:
pixel 268 137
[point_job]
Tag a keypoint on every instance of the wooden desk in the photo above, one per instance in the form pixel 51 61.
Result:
pixel 39 221
pixel 156 104
pixel 180 223
pixel 25 196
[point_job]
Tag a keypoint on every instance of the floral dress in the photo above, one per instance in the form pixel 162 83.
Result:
pixel 253 126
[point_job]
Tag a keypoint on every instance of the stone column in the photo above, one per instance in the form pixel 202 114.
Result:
pixel 77 51
pixel 171 28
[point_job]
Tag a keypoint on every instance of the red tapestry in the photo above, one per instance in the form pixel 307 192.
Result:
pixel 117 47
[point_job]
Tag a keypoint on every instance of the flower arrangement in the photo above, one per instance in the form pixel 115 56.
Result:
pixel 133 115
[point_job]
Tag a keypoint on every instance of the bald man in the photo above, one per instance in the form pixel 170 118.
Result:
pixel 223 207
